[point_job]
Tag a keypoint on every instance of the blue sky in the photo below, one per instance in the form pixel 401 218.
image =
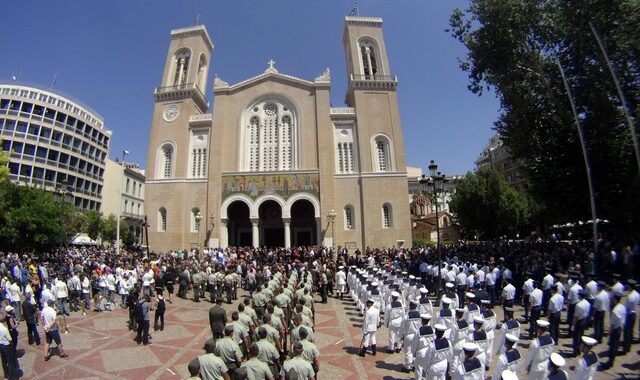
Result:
pixel 110 55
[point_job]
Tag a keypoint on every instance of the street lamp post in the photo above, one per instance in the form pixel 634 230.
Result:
pixel 332 217
pixel 198 220
pixel 436 180
pixel 124 153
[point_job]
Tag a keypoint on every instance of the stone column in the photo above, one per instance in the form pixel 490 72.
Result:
pixel 255 233
pixel 224 233
pixel 287 232
pixel 319 230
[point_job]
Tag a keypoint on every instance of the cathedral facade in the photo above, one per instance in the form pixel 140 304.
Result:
pixel 275 164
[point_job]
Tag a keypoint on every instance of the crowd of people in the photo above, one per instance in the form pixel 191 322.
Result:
pixel 281 284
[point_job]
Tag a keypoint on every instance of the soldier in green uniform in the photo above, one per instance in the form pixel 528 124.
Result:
pixel 269 354
pixel 229 350
pixel 256 369
pixel 297 367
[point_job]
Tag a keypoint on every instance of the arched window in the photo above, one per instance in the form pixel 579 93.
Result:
pixel 195 223
pixel 369 59
pixel 381 154
pixel 202 72
pixel 126 205
pixel 165 161
pixel 198 161
pixel 162 219
pixel 348 218
pixel 181 62
pixel 387 217
pixel 268 137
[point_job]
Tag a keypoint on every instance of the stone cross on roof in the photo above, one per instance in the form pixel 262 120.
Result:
pixel 271 68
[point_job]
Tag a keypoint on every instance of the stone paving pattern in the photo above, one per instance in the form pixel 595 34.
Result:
pixel 101 347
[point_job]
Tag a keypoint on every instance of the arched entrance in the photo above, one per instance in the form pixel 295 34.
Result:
pixel 239 225
pixel 303 223
pixel 271 224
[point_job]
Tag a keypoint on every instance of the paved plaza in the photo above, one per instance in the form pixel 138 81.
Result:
pixel 101 347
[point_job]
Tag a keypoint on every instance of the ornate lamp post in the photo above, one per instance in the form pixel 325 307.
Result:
pixel 436 181
pixel 332 217
pixel 198 219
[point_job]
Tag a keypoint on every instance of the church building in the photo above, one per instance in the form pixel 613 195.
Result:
pixel 275 164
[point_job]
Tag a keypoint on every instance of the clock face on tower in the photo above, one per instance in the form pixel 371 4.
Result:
pixel 171 112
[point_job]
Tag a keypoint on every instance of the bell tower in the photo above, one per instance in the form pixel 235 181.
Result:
pixel 178 150
pixel 372 93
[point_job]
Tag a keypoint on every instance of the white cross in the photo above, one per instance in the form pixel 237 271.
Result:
pixel 271 63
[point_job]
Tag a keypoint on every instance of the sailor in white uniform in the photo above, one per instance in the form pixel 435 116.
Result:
pixel 369 328
pixel 393 320
pixel 510 359
pixel 540 350
pixel 588 362
pixel 471 367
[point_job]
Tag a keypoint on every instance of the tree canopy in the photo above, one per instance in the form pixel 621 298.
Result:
pixel 486 205
pixel 512 47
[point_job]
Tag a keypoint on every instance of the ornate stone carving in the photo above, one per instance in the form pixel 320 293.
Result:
pixel 217 82
pixel 325 76
pixel 271 68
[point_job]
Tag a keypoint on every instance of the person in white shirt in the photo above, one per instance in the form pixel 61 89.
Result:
pixel 341 282
pixel 572 300
pixel 369 327
pixel 556 303
pixel 50 327
pixel 527 287
pixel 9 359
pixel 616 324
pixel 540 349
pixel 13 293
pixel 535 308
pixel 393 320
pixel 580 316
pixel 508 294
pixel 600 307
pixel 86 294
pixel 633 298
pixel 62 295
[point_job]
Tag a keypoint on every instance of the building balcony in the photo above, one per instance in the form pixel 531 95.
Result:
pixel 365 82
pixel 187 90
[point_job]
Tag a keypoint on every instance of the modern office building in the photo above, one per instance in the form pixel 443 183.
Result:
pixel 275 164
pixel 55 142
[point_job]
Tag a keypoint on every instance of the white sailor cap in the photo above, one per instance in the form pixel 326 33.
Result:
pixel 375 283
pixel 589 341
pixel 511 338
pixel 412 277
pixel 341 267
pixel 395 294
pixel 485 302
pixel 440 327
pixel 508 375
pixel 425 316
pixel 478 319
pixel 446 300
pixel 414 302
pixel 375 269
pixel 542 323
pixel 424 290
pixel 557 360
pixel 470 347
pixel 470 295
pixel 405 273
pixel 459 310
pixel 371 300
pixel 448 285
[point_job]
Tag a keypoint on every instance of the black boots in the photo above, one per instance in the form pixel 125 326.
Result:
pixel 362 352
pixel 373 349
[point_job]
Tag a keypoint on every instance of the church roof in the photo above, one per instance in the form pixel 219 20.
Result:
pixel 270 72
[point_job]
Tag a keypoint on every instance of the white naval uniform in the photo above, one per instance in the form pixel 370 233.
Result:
pixel 509 327
pixel 410 325
pixel 432 361
pixel 370 326
pixel 508 360
pixel 489 327
pixel 458 338
pixel 469 370
pixel 536 361
pixel 393 320
pixel 587 366
pixel 341 281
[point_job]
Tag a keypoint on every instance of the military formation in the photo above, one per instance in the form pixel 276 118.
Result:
pixel 271 335
pixel 461 337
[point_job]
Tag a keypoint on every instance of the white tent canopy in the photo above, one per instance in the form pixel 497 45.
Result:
pixel 82 239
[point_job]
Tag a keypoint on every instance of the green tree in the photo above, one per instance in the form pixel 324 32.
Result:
pixel 512 50
pixel 4 169
pixel 93 223
pixel 33 218
pixel 109 229
pixel 487 205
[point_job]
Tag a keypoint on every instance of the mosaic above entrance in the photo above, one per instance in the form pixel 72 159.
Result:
pixel 284 185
